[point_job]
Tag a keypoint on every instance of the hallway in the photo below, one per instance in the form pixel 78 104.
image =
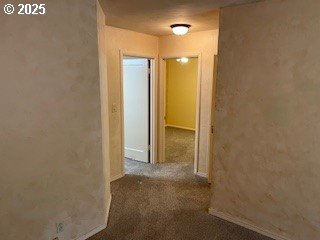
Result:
pixel 165 201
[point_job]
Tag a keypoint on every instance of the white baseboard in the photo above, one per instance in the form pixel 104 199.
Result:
pixel 114 178
pixel 245 224
pixel 92 232
pixel 185 128
pixel 200 174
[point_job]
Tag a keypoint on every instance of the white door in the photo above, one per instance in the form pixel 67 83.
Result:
pixel 136 109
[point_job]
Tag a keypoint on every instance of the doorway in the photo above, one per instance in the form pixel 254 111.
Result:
pixel 137 89
pixel 136 108
pixel 181 110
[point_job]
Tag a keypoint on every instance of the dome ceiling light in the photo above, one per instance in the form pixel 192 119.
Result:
pixel 180 29
pixel 183 60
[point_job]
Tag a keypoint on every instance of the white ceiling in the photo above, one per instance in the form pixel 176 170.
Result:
pixel 155 16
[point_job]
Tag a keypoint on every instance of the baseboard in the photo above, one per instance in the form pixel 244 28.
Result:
pixel 185 128
pixel 92 232
pixel 200 174
pixel 98 229
pixel 114 178
pixel 245 224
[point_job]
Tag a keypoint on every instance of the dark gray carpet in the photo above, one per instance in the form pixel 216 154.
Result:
pixel 179 145
pixel 165 202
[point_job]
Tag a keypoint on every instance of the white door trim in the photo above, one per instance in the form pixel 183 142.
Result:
pixel 153 104
pixel 162 106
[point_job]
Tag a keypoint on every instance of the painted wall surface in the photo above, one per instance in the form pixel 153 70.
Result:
pixel 206 44
pixel 102 49
pixel 181 93
pixel 50 126
pixel 128 41
pixel 267 168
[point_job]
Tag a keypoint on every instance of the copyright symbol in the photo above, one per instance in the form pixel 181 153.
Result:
pixel 8 9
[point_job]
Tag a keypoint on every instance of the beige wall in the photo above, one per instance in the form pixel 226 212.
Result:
pixel 206 44
pixel 102 50
pixel 267 168
pixel 50 126
pixel 128 41
pixel 181 93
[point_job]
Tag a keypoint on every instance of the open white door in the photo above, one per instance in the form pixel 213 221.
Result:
pixel 136 108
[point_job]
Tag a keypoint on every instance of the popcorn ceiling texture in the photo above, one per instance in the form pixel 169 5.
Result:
pixel 267 168
pixel 50 125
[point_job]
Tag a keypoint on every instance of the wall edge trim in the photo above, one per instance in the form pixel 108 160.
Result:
pixel 118 176
pixel 180 127
pixel 245 224
pixel 108 210
pixel 92 232
pixel 98 229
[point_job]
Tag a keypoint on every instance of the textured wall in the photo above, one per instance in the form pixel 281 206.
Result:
pixel 205 43
pixel 50 126
pixel 267 167
pixel 102 47
pixel 133 42
pixel 181 93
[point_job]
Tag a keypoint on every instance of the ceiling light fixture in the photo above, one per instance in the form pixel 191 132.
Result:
pixel 180 29
pixel 183 60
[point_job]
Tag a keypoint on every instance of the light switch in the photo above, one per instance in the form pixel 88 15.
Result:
pixel 114 108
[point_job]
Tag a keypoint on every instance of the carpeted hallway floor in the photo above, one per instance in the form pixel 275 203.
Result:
pixel 165 202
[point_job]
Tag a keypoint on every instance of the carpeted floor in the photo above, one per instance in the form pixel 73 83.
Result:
pixel 165 202
pixel 179 145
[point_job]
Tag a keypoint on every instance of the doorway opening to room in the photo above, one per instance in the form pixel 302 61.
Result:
pixel 138 110
pixel 181 100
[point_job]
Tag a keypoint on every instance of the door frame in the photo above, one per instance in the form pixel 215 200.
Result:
pixel 153 104
pixel 212 120
pixel 162 105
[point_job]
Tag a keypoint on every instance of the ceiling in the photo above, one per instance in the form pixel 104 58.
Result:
pixel 155 16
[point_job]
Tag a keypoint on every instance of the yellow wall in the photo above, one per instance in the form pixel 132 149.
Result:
pixel 181 93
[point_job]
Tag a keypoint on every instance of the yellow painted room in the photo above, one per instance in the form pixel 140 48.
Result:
pixel 181 102
pixel 181 93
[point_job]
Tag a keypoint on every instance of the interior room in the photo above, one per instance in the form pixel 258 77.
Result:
pixel 160 120
pixel 181 109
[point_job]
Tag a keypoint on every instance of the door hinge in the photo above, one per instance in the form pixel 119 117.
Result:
pixel 212 129
pixel 149 147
